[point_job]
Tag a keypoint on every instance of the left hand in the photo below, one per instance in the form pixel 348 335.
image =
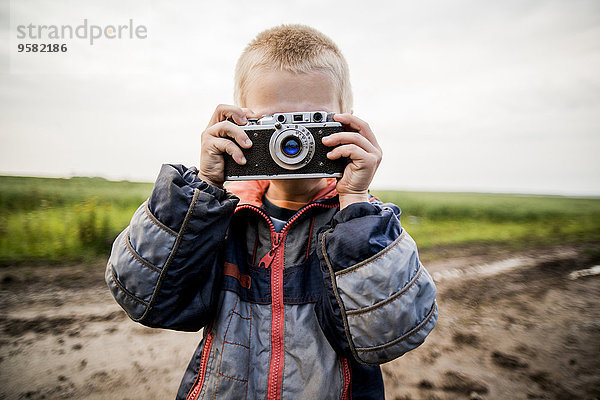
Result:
pixel 362 149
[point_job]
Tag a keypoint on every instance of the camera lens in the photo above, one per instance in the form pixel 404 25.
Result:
pixel 281 118
pixel 291 146
pixel 317 117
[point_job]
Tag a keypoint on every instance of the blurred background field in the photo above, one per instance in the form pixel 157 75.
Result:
pixel 516 221
pixel 76 219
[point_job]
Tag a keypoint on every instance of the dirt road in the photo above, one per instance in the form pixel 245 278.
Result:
pixel 512 326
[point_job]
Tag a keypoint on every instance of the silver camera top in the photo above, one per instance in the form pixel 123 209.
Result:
pixel 303 117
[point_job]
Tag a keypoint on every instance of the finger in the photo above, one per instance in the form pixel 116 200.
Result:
pixel 226 129
pixel 222 145
pixel 358 124
pixel 342 138
pixel 224 111
pixel 351 151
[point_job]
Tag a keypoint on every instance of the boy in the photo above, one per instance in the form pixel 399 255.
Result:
pixel 302 286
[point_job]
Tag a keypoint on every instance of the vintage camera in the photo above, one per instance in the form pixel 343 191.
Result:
pixel 287 145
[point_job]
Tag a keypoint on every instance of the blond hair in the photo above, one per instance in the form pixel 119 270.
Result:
pixel 293 48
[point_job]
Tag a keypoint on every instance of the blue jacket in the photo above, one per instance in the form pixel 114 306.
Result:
pixel 284 313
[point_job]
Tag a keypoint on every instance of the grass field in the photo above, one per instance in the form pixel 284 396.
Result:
pixel 516 221
pixel 63 219
pixel 56 220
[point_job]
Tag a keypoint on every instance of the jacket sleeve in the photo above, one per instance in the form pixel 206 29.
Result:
pixel 378 301
pixel 165 269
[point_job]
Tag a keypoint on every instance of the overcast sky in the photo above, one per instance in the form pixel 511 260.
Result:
pixel 467 95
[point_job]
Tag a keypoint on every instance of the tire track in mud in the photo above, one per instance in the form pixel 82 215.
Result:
pixel 569 259
pixel 53 325
pixel 520 327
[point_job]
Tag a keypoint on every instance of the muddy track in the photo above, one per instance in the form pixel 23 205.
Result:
pixel 518 326
pixel 53 325
pixel 522 328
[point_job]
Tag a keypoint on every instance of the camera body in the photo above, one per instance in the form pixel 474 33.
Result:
pixel 287 146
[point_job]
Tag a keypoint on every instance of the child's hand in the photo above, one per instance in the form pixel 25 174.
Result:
pixel 364 153
pixel 215 142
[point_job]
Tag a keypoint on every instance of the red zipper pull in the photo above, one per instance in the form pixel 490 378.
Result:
pixel 268 258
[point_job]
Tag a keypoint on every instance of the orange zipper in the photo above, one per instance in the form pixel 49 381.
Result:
pixel 274 259
pixel 202 372
pixel 347 379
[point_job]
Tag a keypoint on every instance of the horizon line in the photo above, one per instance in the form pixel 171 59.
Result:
pixel 372 189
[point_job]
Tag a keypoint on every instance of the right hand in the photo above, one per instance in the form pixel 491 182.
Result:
pixel 215 142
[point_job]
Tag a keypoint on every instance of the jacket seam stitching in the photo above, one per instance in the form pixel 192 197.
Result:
pixel 232 378
pixel 337 295
pixel 237 299
pixel 178 240
pixel 236 288
pixel 249 344
pixel 237 344
pixel 373 258
pixel 293 269
pixel 240 315
pixel 408 334
pixel 391 298
pixel 137 256
pixel 125 291
pixel 308 296
pixel 156 222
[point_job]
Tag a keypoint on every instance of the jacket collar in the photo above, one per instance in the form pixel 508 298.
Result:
pixel 251 192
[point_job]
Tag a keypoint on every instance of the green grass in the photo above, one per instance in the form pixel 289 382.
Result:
pixel 62 220
pixel 519 222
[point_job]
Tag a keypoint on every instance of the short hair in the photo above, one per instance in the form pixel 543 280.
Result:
pixel 298 49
